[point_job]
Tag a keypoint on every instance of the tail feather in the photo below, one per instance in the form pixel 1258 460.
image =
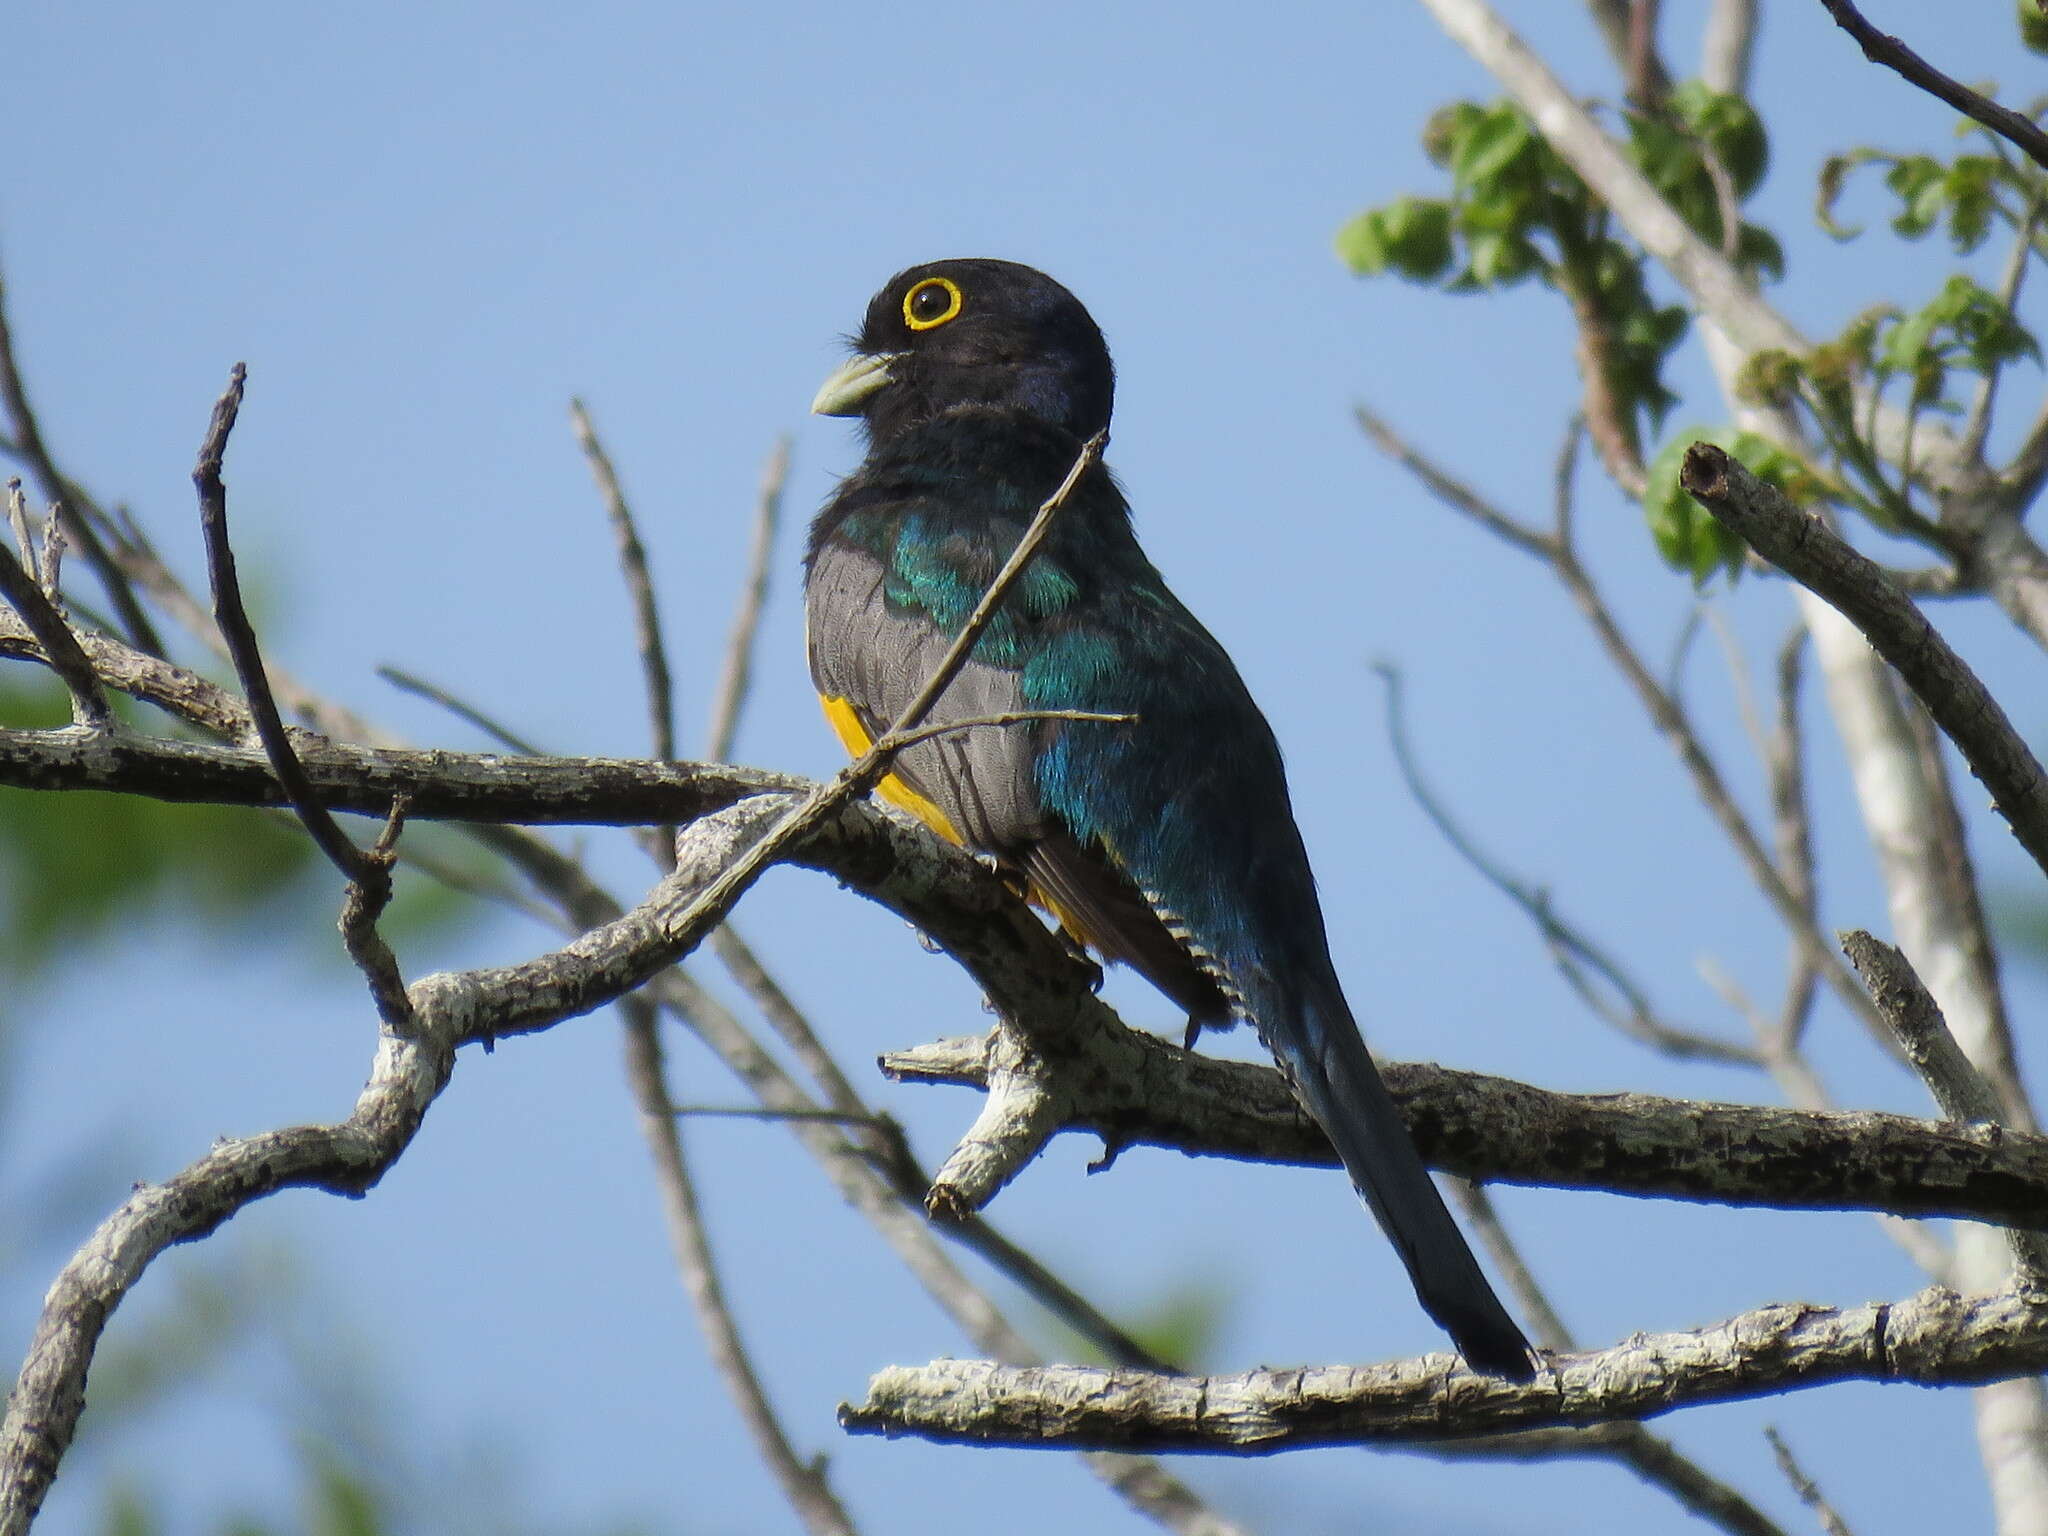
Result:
pixel 1335 1077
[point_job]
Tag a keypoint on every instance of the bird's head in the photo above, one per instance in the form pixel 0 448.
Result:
pixel 973 332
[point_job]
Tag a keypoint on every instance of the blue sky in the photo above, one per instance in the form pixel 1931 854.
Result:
pixel 426 227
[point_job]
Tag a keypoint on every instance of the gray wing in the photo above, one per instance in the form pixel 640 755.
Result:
pixel 982 779
pixel 877 661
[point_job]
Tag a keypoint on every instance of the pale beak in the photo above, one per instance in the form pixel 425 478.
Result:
pixel 847 391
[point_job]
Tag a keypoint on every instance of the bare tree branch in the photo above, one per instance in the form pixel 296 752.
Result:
pixel 240 636
pixel 1958 1087
pixel 1883 48
pixel 1805 549
pixel 1131 1089
pixel 28 446
pixel 1932 1335
pixel 1651 1457
pixel 184 694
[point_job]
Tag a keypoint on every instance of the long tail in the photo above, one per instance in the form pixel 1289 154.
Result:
pixel 1312 1031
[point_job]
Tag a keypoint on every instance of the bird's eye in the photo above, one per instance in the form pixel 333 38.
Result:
pixel 931 303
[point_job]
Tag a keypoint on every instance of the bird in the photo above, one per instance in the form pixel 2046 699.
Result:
pixel 1166 842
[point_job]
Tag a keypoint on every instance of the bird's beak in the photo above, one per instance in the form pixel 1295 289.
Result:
pixel 847 391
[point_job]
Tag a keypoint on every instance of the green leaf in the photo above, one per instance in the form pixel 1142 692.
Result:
pixel 1917 182
pixel 1489 144
pixel 1662 153
pixel 2033 24
pixel 1447 128
pixel 1495 260
pixel 1730 127
pixel 1411 236
pixel 1970 187
pixel 1986 332
pixel 1905 345
pixel 1757 250
pixel 1361 244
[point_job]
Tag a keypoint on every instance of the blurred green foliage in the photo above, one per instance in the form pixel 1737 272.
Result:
pixel 1687 536
pixel 72 866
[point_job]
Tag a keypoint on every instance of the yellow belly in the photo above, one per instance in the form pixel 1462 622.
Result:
pixel 853 736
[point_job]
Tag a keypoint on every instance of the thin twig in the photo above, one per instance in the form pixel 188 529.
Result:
pixel 658 686
pixel 54 545
pixel 1792 832
pixel 363 906
pixel 737 674
pixel 1451 491
pixel 1666 714
pixel 1574 953
pixel 1883 48
pixel 409 682
pixel 1977 425
pixel 733 951
pixel 1738 675
pixel 975 1233
pixel 1962 903
pixel 1809 1493
pixel 802 1482
pixel 757 1112
pixel 907 739
pixel 61 650
pixel 896 1218
pixel 1532 1301
pixel 788 1021
pixel 889 1151
pixel 236 631
pixel 488 886
pixel 24 541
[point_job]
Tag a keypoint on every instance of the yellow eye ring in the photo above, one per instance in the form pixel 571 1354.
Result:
pixel 922 309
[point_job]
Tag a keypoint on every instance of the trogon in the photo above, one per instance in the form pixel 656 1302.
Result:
pixel 1167 843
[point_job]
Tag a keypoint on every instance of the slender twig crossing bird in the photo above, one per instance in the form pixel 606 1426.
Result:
pixel 1167 842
